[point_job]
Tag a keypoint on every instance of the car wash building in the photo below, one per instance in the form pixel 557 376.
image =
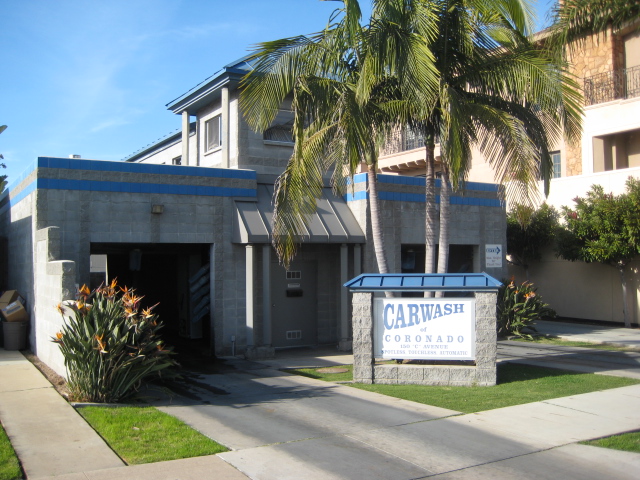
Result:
pixel 187 221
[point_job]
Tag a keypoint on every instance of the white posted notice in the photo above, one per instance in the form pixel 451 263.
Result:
pixel 493 256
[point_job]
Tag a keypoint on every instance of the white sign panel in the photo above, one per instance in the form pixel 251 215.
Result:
pixel 493 256
pixel 425 328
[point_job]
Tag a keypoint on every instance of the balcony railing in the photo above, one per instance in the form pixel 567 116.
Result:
pixel 403 140
pixel 608 86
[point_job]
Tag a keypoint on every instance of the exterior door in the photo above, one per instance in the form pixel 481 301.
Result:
pixel 294 305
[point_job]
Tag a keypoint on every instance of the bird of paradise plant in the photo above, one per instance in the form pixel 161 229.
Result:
pixel 110 348
pixel 518 307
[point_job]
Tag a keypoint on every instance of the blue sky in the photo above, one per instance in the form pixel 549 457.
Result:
pixel 93 77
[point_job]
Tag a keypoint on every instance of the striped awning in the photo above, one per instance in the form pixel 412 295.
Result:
pixel 333 221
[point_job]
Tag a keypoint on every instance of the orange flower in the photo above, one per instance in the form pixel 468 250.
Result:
pixel 101 345
pixel 84 291
pixel 60 308
pixel 146 313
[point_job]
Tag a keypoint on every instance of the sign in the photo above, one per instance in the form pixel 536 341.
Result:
pixel 424 328
pixel 493 256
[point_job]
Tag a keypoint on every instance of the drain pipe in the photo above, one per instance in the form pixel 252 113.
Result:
pixel 233 345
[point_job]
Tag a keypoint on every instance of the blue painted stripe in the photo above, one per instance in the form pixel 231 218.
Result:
pixel 129 187
pixel 420 198
pixel 420 182
pixel 25 192
pixel 146 168
pixel 126 187
pixel 362 195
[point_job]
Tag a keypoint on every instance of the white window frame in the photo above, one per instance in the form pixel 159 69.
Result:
pixel 213 127
pixel 557 172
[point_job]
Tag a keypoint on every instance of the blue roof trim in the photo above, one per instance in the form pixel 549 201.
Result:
pixel 98 186
pixel 420 182
pixel 420 198
pixel 146 168
pixel 127 187
pixel 420 282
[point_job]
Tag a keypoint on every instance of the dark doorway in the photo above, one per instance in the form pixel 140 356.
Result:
pixel 161 273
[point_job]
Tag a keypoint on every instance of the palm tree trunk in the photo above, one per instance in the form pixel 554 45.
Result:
pixel 376 224
pixel 430 210
pixel 443 252
pixel 376 227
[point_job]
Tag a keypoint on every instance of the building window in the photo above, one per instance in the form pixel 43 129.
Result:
pixel 176 160
pixel 616 151
pixel 213 133
pixel 557 165
pixel 281 128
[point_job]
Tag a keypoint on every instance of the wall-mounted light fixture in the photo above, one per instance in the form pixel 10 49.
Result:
pixel 157 209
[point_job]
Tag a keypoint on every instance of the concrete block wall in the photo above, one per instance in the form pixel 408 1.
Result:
pixel 253 151
pixel 110 202
pixel 54 283
pixel 477 217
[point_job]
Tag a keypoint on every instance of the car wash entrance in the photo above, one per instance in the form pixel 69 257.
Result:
pixel 174 276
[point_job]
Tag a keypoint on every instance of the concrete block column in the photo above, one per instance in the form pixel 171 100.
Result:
pixel 55 281
pixel 363 359
pixel 486 338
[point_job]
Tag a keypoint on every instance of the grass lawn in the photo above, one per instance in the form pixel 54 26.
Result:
pixel 9 464
pixel 147 435
pixel 629 442
pixel 570 343
pixel 517 384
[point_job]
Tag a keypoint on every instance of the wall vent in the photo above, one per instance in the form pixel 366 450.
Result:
pixel 294 335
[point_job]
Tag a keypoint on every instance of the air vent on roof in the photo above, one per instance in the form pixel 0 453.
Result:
pixel 75 155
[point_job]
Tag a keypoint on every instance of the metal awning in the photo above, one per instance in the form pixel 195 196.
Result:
pixel 333 221
pixel 421 282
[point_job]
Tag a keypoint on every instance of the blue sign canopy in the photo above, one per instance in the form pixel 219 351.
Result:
pixel 423 282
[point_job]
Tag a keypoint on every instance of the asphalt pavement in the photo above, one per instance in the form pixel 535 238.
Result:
pixel 280 426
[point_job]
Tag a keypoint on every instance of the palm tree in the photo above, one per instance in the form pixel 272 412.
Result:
pixel 496 91
pixel 340 120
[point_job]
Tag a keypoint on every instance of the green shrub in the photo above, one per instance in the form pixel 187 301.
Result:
pixel 518 307
pixel 110 346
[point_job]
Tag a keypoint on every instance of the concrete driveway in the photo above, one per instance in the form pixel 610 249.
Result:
pixel 280 426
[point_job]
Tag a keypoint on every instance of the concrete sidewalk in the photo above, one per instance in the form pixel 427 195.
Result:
pixel 280 426
pixel 580 332
pixel 53 441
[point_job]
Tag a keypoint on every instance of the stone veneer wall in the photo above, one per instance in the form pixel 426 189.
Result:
pixel 593 55
pixel 484 373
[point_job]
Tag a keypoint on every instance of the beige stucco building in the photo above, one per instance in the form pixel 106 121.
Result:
pixel 607 67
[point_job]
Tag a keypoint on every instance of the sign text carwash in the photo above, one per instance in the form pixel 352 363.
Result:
pixel 424 328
